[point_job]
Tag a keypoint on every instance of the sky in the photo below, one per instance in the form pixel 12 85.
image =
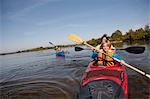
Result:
pixel 26 24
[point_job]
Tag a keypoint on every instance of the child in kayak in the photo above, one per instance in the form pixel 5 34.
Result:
pixel 99 47
pixel 104 59
pixel 104 40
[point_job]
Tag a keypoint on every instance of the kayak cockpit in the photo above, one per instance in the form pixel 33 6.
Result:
pixel 102 76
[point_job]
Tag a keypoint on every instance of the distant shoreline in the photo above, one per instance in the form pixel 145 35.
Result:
pixel 38 49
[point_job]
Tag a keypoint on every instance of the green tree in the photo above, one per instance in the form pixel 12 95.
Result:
pixel 117 35
pixel 147 30
pixel 128 35
pixel 92 42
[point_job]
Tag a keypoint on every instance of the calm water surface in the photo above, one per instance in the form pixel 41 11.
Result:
pixel 42 75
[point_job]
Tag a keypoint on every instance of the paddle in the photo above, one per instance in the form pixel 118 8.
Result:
pixel 132 49
pixel 55 47
pixel 79 49
pixel 77 39
pixel 51 43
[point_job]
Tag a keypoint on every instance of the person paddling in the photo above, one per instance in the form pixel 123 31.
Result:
pixel 58 49
pixel 106 60
pixel 104 40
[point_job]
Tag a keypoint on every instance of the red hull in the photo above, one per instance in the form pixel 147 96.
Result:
pixel 115 73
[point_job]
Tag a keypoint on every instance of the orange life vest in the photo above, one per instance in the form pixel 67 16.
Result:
pixel 106 60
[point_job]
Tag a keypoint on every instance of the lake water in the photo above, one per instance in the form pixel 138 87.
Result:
pixel 42 75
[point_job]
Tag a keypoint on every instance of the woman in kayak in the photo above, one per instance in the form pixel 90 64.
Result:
pixel 104 59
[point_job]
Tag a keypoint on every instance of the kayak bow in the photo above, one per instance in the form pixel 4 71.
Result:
pixel 101 82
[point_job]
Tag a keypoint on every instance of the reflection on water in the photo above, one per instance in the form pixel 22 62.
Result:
pixel 42 75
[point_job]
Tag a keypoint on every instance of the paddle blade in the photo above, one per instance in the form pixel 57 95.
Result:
pixel 78 49
pixel 51 43
pixel 135 49
pixel 75 38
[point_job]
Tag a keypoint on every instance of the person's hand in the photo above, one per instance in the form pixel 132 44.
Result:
pixel 101 51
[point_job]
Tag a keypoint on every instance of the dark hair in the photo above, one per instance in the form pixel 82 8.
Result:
pixel 107 41
pixel 102 39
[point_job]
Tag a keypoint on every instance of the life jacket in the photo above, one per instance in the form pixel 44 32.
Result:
pixel 106 60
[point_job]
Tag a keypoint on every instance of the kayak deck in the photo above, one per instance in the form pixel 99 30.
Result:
pixel 107 76
pixel 62 53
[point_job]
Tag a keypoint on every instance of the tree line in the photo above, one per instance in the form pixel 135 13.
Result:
pixel 131 35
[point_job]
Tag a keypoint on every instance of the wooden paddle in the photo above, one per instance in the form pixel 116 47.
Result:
pixel 132 49
pixel 77 39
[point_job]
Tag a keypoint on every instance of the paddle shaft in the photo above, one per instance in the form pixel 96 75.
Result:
pixel 122 62
pixel 53 45
pixel 137 70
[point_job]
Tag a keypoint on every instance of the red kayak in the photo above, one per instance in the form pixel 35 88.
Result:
pixel 104 82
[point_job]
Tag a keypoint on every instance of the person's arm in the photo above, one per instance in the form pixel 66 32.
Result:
pixel 94 55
